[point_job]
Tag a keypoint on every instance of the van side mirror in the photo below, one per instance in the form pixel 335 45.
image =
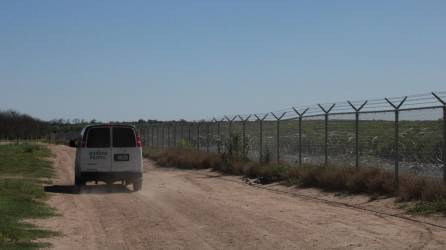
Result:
pixel 72 143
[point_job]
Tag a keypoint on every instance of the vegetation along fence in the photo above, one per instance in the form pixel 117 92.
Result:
pixel 402 134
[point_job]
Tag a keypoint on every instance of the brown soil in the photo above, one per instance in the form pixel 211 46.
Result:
pixel 178 209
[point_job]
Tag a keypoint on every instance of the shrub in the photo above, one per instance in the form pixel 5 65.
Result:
pixel 434 190
pixel 184 144
pixel 424 207
pixel 374 181
pixel 379 181
pixel 184 158
pixel 411 187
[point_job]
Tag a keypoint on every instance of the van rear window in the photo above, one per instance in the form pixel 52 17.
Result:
pixel 98 138
pixel 123 137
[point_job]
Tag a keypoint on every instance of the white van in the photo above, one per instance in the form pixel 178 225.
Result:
pixel 109 153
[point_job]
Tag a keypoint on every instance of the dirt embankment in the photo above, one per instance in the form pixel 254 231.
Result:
pixel 201 210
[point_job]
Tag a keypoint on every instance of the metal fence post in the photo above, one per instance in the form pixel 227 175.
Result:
pixel 189 135
pixel 182 131
pixel 146 135
pixel 444 143
pixel 326 111
pixel 230 123
pixel 152 134
pixel 230 130
pixel 207 137
pixel 301 115
pixel 198 136
pixel 157 135
pixel 244 135
pixel 220 136
pixel 219 140
pixel 162 137
pixel 174 134
pixel 278 118
pixel 168 135
pixel 397 147
pixel 444 134
pixel 141 134
pixel 149 134
pixel 243 138
pixel 165 136
pixel 397 139
pixel 260 120
pixel 158 138
pixel 357 130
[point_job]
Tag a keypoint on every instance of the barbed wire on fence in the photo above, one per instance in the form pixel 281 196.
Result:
pixel 402 134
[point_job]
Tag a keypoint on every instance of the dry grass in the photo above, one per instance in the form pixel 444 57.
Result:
pixel 419 188
pixel 363 180
pixel 373 181
pixel 184 158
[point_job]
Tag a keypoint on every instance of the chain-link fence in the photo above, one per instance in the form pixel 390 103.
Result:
pixel 405 134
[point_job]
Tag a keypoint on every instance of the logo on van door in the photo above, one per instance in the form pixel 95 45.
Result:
pixel 98 155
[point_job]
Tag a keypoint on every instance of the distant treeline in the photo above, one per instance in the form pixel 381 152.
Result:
pixel 16 125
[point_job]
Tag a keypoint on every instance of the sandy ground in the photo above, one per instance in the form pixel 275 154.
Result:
pixel 179 209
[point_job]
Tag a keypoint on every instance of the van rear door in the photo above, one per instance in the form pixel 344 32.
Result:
pixel 96 154
pixel 126 153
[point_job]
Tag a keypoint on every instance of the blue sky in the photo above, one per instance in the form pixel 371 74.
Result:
pixel 125 60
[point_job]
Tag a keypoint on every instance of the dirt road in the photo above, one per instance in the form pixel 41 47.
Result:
pixel 200 210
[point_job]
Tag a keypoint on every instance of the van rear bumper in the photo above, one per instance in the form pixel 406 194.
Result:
pixel 110 176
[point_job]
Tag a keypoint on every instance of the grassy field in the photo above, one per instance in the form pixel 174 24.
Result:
pixel 427 195
pixel 23 168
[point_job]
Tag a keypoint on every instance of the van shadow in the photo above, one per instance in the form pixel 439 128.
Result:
pixel 88 189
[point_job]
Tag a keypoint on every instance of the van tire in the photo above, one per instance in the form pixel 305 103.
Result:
pixel 79 182
pixel 137 185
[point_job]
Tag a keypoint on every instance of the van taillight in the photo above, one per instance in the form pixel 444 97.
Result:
pixel 138 141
